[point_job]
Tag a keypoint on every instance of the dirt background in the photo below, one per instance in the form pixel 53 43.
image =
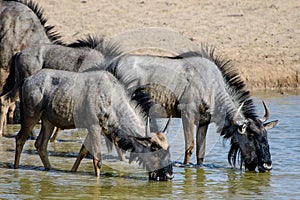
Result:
pixel 261 37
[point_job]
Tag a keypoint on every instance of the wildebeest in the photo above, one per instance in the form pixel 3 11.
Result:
pixel 77 57
pixel 95 101
pixel 201 88
pixel 21 24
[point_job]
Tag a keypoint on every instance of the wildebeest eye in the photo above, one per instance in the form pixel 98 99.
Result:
pixel 242 128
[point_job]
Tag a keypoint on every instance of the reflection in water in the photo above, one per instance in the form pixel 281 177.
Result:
pixel 119 180
pixel 248 183
pixel 194 177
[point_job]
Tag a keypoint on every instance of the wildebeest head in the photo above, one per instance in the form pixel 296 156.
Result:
pixel 250 141
pixel 152 152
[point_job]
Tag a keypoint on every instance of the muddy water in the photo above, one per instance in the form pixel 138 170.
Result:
pixel 119 180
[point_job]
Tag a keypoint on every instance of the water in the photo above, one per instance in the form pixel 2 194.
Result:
pixel 119 180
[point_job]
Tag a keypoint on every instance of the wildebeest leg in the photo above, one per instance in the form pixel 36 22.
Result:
pixel 200 143
pixel 7 105
pixel 26 129
pixel 53 139
pixel 3 111
pixel 120 153
pixel 82 154
pixel 11 110
pixel 41 142
pixel 188 128
pixel 109 146
pixel 91 145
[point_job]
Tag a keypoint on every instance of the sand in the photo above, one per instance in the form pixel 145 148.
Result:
pixel 261 37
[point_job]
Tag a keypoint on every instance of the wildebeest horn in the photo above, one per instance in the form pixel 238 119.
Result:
pixel 167 125
pixel 235 118
pixel 267 113
pixel 148 132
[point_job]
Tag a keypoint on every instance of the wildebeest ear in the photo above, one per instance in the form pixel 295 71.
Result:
pixel 271 124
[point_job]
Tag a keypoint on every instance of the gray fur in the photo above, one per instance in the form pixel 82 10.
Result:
pixel 76 57
pixel 21 24
pixel 92 100
pixel 196 86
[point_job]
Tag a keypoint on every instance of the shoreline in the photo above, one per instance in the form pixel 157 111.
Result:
pixel 275 92
pixel 260 37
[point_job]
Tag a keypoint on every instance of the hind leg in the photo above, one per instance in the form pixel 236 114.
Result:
pixel 42 141
pixel 26 129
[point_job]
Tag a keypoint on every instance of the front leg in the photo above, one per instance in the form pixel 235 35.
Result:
pixel 200 143
pixel 56 133
pixel 91 145
pixel 188 128
pixel 82 154
pixel 121 153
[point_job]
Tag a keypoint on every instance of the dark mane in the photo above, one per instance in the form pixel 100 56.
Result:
pixel 231 77
pixel 53 36
pixel 107 49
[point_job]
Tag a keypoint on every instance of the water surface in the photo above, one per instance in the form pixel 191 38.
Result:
pixel 119 180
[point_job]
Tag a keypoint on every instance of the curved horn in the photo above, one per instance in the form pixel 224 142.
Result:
pixel 267 113
pixel 235 117
pixel 148 132
pixel 167 125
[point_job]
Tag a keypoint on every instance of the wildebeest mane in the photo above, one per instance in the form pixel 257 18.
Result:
pixel 234 154
pixel 53 36
pixel 106 48
pixel 236 86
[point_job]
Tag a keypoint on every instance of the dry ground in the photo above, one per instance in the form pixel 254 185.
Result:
pixel 262 37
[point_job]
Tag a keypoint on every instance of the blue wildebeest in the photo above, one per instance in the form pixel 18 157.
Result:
pixel 95 101
pixel 201 88
pixel 21 24
pixel 76 57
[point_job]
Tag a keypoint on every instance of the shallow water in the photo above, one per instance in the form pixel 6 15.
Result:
pixel 119 180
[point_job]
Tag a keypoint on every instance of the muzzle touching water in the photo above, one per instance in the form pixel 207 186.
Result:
pixel 163 174
pixel 265 167
pixel 235 156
